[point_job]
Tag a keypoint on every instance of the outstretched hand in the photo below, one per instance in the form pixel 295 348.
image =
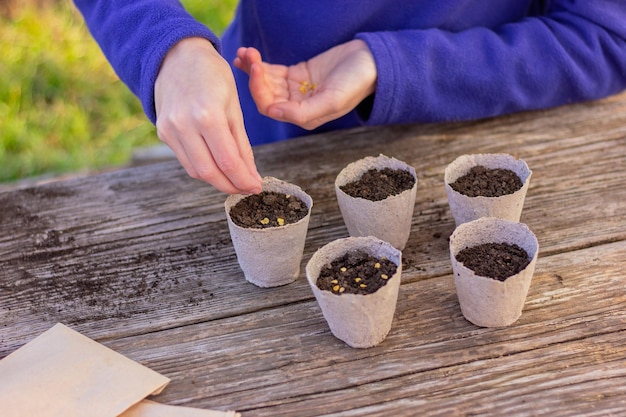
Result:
pixel 314 92
pixel 199 117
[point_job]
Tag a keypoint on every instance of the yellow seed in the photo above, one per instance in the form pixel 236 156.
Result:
pixel 334 281
pixel 384 276
pixel 357 279
pixel 376 265
pixel 265 220
pixel 343 269
pixel 336 288
pixel 287 195
pixel 342 289
pixel 281 221
pixel 363 285
pixel 304 86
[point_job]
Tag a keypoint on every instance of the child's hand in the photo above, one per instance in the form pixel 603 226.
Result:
pixel 199 117
pixel 314 92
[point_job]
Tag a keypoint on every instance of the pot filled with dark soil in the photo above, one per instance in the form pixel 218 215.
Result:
pixel 356 282
pixel 486 185
pixel 376 196
pixel 268 231
pixel 493 261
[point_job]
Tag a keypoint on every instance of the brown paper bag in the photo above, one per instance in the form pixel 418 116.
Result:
pixel 63 373
pixel 148 408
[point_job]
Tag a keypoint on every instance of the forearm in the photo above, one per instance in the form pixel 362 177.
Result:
pixel 136 36
pixel 568 55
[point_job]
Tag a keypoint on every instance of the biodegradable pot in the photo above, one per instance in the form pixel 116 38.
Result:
pixel 388 219
pixel 270 257
pixel 485 301
pixel 465 208
pixel 360 320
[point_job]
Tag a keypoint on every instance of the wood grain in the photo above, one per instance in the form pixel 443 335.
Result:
pixel 141 260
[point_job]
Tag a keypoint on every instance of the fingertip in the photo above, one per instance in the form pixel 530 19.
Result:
pixel 253 54
pixel 256 190
pixel 252 190
pixel 259 186
pixel 275 113
pixel 256 69
pixel 255 174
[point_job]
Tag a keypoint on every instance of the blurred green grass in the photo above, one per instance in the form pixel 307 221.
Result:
pixel 62 108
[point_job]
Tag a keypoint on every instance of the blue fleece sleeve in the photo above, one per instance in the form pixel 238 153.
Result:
pixel 136 35
pixel 575 52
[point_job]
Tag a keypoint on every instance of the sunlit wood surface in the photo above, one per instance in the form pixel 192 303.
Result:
pixel 141 260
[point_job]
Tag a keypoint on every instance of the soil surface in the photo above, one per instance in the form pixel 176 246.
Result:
pixel 487 182
pixel 356 272
pixel 494 260
pixel 268 209
pixel 376 185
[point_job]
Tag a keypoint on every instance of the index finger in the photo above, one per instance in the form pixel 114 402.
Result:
pixel 232 156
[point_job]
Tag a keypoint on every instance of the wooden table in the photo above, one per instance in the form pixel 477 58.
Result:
pixel 141 260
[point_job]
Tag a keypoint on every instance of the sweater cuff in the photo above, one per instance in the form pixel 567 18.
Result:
pixel 382 101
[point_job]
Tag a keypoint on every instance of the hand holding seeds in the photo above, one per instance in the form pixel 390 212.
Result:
pixel 314 92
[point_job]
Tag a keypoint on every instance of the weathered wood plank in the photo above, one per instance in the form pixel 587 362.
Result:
pixel 567 350
pixel 152 245
pixel 141 260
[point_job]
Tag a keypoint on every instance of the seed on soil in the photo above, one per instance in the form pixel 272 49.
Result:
pixel 268 209
pixel 355 273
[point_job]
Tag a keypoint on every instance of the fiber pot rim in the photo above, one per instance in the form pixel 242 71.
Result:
pixel 356 169
pixel 488 160
pixel 276 185
pixel 329 252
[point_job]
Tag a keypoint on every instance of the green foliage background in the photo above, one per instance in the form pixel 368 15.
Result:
pixel 62 108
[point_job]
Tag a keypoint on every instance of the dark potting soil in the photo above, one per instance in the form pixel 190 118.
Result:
pixel 356 272
pixel 494 260
pixel 487 182
pixel 378 184
pixel 268 209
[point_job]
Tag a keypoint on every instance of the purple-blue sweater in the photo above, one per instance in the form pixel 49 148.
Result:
pixel 443 60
